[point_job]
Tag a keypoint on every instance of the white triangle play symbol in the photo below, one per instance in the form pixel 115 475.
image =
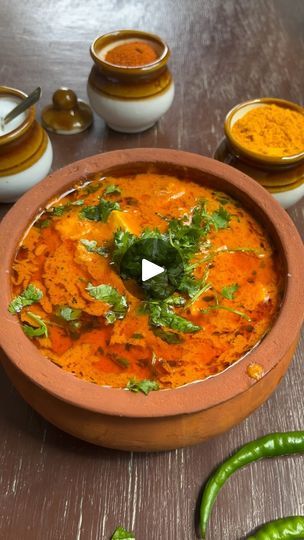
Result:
pixel 149 269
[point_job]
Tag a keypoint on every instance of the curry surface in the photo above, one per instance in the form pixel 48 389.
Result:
pixel 238 259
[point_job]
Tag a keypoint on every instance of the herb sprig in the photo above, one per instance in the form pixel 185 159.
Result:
pixel 28 297
pixel 145 386
pixel 112 189
pixel 92 247
pixel 108 294
pixel 100 211
pixel 162 314
pixel 59 210
pixel 230 291
pixel 40 330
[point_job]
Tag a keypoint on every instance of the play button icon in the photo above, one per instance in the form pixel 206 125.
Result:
pixel 150 270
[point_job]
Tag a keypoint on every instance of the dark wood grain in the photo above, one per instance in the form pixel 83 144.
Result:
pixel 54 487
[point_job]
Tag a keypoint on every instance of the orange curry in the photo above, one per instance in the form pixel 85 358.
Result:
pixel 73 303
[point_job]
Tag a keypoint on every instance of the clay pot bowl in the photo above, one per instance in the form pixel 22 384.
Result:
pixel 166 419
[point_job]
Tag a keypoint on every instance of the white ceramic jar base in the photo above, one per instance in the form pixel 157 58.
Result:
pixel 131 115
pixel 290 197
pixel 14 185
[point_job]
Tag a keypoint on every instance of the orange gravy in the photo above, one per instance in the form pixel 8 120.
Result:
pixel 238 262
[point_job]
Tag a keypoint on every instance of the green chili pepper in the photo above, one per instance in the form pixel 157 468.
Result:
pixel 274 444
pixel 287 528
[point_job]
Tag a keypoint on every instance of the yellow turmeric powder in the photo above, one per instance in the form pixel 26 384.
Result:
pixel 271 130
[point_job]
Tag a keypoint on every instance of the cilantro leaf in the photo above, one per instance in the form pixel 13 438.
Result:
pixel 145 386
pixel 92 247
pixel 62 208
pixel 42 223
pixel 69 314
pixel 169 337
pixel 100 211
pixel 226 308
pixel 151 233
pixel 230 290
pixel 175 300
pixel 162 314
pixel 122 534
pixel 122 241
pixel 186 234
pixel 30 295
pixel 221 218
pixel 184 237
pixel 190 285
pixel 111 189
pixel 39 331
pixel 108 294
pixel 92 188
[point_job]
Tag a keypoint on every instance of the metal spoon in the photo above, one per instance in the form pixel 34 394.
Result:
pixel 21 107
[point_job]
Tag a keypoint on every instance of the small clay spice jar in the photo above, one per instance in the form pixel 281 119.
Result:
pixel 25 149
pixel 130 85
pixel 265 140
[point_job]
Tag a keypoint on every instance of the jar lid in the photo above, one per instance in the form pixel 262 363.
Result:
pixel 67 115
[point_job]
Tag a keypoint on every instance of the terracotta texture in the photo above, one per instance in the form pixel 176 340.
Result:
pixel 170 418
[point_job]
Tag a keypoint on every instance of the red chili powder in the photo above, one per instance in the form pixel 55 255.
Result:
pixel 132 54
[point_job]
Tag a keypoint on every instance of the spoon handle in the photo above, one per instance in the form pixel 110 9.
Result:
pixel 25 104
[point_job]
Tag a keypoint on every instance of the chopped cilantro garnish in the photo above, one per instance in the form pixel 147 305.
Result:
pixel 112 189
pixel 108 294
pixel 100 211
pixel 165 335
pixel 92 188
pixel 42 223
pixel 145 386
pixel 68 314
pixel 62 208
pixel 122 241
pixel 186 236
pixel 39 331
pixel 226 308
pixel 92 247
pixel 30 295
pixel 162 314
pixel 229 291
pixel 220 218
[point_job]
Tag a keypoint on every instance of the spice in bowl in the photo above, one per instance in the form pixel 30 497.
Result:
pixel 271 130
pixel 265 140
pixel 132 54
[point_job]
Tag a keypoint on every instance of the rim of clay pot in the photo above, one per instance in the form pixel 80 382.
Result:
pixel 26 124
pixel 255 156
pixel 100 42
pixel 193 397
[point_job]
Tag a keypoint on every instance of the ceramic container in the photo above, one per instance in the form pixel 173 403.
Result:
pixel 25 149
pixel 165 419
pixel 130 99
pixel 282 176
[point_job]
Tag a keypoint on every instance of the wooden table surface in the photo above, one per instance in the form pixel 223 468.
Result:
pixel 52 486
